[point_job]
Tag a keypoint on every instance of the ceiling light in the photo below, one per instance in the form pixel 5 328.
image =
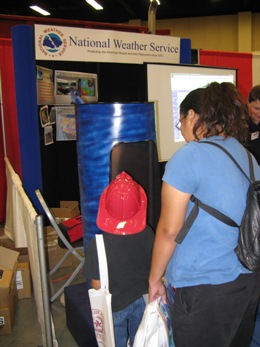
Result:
pixel 94 4
pixel 158 2
pixel 40 10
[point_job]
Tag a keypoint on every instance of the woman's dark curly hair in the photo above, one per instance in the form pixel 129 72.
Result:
pixel 220 108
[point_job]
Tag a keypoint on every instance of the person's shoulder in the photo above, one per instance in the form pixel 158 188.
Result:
pixel 122 239
pixel 191 148
pixel 184 151
pixel 148 232
pixel 252 126
pixel 149 229
pixel 185 156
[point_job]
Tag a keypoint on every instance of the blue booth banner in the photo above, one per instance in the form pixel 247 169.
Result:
pixel 101 126
pixel 80 44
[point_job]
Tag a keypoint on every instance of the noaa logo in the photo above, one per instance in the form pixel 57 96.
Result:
pixel 52 42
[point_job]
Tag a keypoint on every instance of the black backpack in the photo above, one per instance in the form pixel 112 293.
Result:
pixel 248 248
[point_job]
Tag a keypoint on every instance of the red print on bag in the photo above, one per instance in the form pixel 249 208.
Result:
pixel 98 321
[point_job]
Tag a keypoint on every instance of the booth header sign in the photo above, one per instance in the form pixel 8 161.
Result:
pixel 79 44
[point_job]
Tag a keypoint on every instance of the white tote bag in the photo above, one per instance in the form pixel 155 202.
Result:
pixel 100 301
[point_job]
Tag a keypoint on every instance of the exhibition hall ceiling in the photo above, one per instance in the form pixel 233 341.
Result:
pixel 121 11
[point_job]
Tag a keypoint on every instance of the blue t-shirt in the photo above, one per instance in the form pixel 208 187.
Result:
pixel 206 255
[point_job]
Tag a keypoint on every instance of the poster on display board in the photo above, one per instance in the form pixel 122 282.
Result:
pixel 65 124
pixel 45 89
pixel 93 45
pixel 70 84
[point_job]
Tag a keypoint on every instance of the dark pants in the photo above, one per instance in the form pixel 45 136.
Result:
pixel 216 315
pixel 255 342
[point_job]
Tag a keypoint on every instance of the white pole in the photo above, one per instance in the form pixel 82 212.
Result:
pixel 49 332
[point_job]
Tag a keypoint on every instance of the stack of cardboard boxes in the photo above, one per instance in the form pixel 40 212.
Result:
pixel 23 274
pixel 15 282
pixel 67 210
pixel 15 276
pixel 8 291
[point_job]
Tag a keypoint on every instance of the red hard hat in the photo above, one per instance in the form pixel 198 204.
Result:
pixel 122 207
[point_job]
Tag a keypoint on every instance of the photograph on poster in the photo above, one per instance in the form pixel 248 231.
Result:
pixel 45 87
pixel 65 124
pixel 48 135
pixel 52 115
pixel 44 116
pixel 69 84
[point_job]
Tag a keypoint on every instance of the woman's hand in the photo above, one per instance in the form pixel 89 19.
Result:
pixel 157 290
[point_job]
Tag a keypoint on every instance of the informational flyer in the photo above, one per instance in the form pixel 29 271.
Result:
pixel 65 124
pixel 45 86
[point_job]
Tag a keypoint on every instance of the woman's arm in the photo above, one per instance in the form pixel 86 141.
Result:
pixel 173 212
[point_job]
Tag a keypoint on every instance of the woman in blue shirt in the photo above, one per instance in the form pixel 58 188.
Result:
pixel 216 297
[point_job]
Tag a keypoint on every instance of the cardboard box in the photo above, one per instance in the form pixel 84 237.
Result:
pixel 7 314
pixel 50 235
pixel 67 209
pixel 23 274
pixel 8 291
pixel 8 264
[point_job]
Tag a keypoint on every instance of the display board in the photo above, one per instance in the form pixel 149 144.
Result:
pixel 168 85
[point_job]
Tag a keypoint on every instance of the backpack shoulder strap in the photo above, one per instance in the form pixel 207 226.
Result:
pixel 252 177
pixel 193 215
pixel 251 168
pixel 188 222
pixel 212 211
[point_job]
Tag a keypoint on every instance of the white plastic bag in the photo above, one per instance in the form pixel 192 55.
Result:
pixel 152 331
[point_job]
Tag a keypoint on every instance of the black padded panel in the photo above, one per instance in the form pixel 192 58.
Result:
pixel 140 160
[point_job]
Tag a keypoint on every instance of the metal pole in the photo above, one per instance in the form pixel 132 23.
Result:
pixel 152 16
pixel 44 281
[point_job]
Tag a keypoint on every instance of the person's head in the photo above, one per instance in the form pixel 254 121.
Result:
pixel 253 104
pixel 122 207
pixel 217 109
